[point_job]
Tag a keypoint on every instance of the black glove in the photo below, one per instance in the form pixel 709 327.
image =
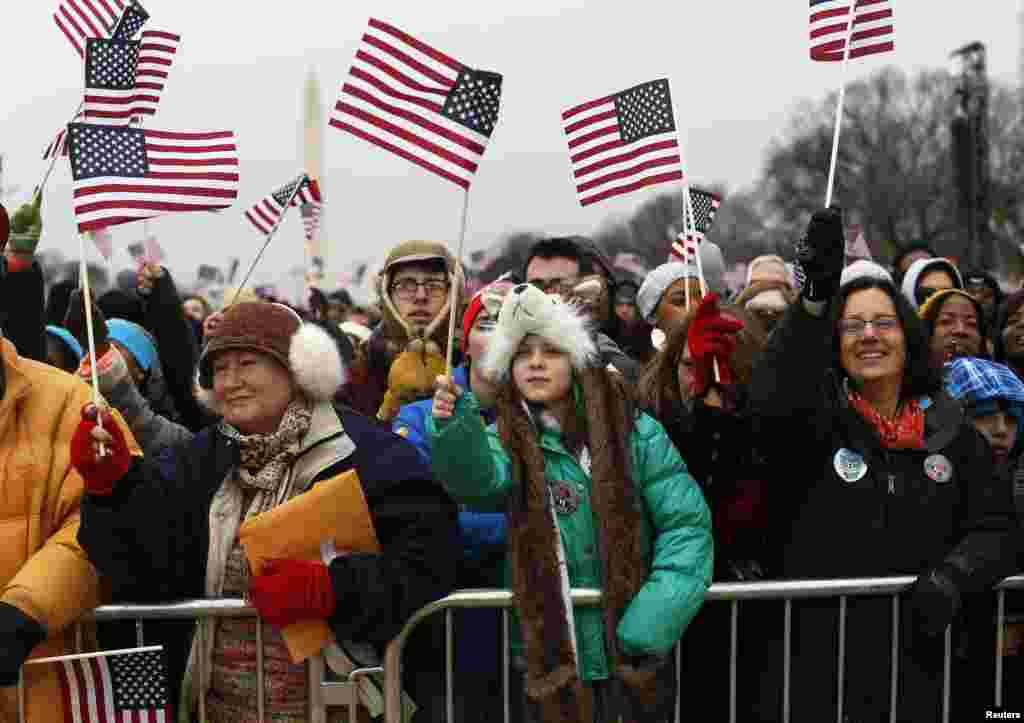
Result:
pixel 821 254
pixel 19 634
pixel 933 601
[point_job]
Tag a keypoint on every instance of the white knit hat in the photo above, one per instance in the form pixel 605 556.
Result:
pixel 864 268
pixel 528 310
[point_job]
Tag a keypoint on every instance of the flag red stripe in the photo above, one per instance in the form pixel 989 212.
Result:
pixel 146 98
pixel 71 38
pixel 829 30
pixel 590 120
pixel 114 13
pixel 185 136
pixel 595 150
pixel 157 85
pixel 97 677
pixel 268 216
pixel 826 14
pixel 401 152
pixel 407 136
pixel 109 101
pixel 156 60
pixel 586 138
pixel 866 3
pixel 627 172
pixel 872 33
pixel 387 89
pixel 872 49
pixel 418 44
pixel 623 157
pixel 141 205
pixel 107 27
pixel 222 161
pixel 630 187
pixel 83 697
pixel 65 690
pixel 260 225
pixel 155 148
pixel 160 35
pixel 397 74
pixel 407 59
pixel 127 187
pixel 190 176
pixel 873 16
pixel 586 106
pixel 419 120
pixel 829 51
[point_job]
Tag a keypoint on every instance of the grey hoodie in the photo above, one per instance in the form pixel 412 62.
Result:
pixel 918 269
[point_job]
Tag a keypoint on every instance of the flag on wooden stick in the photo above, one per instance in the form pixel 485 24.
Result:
pixel 705 206
pixel 58 146
pixel 830 26
pixel 264 214
pixel 129 174
pixel 118 688
pixel 623 142
pixel 419 103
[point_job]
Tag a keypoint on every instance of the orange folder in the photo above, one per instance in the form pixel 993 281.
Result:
pixel 334 510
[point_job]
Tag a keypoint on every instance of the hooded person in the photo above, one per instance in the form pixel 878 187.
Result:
pixel 166 528
pixel 662 298
pixel 927 276
pixel 1008 334
pixel 577 470
pixel 407 351
pixel 907 255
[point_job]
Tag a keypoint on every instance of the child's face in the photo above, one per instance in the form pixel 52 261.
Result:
pixel 541 371
pixel 1000 429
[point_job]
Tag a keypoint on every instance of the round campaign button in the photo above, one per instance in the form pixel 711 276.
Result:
pixel 850 466
pixel 938 468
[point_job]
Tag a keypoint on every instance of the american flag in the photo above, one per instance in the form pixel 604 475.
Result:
pixel 80 20
pixel 872 28
pixel 124 688
pixel 110 81
pixel 623 142
pixel 418 103
pixel 705 206
pixel 129 174
pixel 57 146
pixel 131 22
pixel 311 219
pixel 157 49
pixel 266 213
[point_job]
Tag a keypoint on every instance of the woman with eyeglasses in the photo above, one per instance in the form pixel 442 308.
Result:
pixel 878 474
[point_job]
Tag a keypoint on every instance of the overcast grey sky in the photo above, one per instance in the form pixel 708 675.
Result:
pixel 737 69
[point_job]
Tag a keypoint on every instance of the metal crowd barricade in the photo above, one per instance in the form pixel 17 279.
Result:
pixel 322 693
pixel 733 594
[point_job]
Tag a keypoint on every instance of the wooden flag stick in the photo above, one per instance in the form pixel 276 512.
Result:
pixel 100 654
pixel 453 292
pixel 83 282
pixel 270 237
pixel 839 108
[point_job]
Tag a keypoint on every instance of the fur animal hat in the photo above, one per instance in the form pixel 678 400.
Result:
pixel 528 310
pixel 305 350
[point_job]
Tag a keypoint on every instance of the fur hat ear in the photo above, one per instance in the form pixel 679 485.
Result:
pixel 316 363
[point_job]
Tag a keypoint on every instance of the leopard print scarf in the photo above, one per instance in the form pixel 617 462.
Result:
pixel 264 459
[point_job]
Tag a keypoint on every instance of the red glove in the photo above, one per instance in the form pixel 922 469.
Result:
pixel 711 337
pixel 292 590
pixel 99 473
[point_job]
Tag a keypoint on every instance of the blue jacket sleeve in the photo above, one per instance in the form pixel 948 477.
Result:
pixel 683 551
pixel 411 425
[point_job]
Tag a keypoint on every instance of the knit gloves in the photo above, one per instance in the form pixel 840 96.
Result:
pixel 820 255
pixel 711 337
pixel 99 471
pixel 934 600
pixel 291 590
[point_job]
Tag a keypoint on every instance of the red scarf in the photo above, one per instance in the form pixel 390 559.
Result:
pixel 905 430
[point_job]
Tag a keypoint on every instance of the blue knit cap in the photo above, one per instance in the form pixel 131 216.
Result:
pixel 135 339
pixel 69 341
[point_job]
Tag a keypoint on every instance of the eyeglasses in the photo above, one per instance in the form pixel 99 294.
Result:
pixel 408 288
pixel 857 327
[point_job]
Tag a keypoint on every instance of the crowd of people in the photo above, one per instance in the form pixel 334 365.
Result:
pixel 641 436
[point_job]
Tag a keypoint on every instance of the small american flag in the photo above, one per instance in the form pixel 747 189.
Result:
pixel 705 206
pixel 124 688
pixel 131 22
pixel 420 104
pixel 266 213
pixel 623 142
pixel 129 174
pixel 157 49
pixel 872 28
pixel 110 81
pixel 80 20
pixel 57 146
pixel 311 219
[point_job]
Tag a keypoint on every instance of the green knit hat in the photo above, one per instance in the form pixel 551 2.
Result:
pixel 27 226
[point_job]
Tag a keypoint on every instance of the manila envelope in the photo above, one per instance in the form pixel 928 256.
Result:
pixel 334 510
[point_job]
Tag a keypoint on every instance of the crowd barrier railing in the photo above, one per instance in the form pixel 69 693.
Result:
pixel 325 693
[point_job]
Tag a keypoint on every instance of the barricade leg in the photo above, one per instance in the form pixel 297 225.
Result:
pixel 894 660
pixel 1000 642
pixel 787 652
pixel 841 663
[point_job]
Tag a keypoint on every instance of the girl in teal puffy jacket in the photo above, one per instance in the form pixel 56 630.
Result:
pixel 596 496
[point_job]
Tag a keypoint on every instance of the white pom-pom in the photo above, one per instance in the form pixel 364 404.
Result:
pixel 316 363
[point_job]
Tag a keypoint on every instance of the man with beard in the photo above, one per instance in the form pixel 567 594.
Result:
pixel 956 324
